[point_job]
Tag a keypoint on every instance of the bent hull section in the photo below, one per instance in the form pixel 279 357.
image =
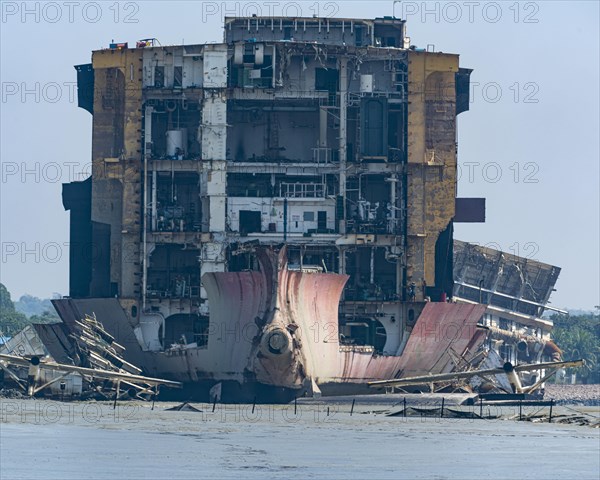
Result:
pixel 445 334
pixel 273 336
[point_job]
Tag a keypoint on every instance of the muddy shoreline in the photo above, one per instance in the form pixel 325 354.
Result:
pixel 588 395
pixel 44 439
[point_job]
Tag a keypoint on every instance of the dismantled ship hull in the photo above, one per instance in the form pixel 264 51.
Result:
pixel 340 143
pixel 273 335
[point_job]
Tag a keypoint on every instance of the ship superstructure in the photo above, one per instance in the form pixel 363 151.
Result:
pixel 332 140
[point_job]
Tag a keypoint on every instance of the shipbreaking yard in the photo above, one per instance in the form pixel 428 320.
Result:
pixel 288 197
pixel 264 279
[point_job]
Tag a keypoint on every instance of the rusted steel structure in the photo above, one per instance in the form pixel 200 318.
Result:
pixel 62 359
pixel 515 291
pixel 274 333
pixel 273 213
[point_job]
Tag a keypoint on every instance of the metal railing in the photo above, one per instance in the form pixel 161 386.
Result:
pixel 302 190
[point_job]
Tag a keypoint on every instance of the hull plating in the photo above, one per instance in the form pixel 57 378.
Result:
pixel 274 335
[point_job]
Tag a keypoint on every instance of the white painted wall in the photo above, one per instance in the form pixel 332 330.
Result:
pixel 272 212
pixel 169 58
pixel 215 66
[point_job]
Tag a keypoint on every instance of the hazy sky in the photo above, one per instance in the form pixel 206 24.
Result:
pixel 529 143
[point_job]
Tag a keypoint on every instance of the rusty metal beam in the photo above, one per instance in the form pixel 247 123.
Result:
pixel 428 379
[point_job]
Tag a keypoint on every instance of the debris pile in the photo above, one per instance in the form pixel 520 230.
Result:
pixel 98 349
pixel 78 363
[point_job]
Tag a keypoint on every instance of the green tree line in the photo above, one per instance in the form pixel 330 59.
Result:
pixel 578 336
pixel 13 321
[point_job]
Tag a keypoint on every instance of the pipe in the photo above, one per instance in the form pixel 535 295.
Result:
pixel 15 378
pixel 275 342
pixel 521 300
pixel 342 261
pixel 536 385
pixel 154 199
pixel 372 265
pixel 393 179
pixel 512 377
pixel 145 237
pixel 552 350
pixel 32 375
pixel 147 142
pixel 47 384
pixel 507 335
pixel 343 140
pixel 285 216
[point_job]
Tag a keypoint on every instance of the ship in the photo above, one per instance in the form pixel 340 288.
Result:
pixel 273 215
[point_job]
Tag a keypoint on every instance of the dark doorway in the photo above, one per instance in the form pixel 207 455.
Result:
pixel 159 77
pixel 249 222
pixel 184 328
pixel 327 79
pixel 321 220
pixel 365 331
pixel 374 132
pixel 358 36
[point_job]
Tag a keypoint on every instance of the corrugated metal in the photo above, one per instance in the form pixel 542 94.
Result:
pixel 506 274
pixel 26 342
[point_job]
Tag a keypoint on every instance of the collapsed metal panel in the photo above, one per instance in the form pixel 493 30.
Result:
pixel 501 279
pixel 55 337
pixel 26 342
pixel 113 318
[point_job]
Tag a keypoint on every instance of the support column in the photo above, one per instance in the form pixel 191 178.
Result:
pixel 147 154
pixel 154 222
pixel 343 135
pixel 214 163
pixel 342 261
pixel 323 115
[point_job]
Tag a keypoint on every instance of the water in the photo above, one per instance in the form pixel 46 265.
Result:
pixel 50 440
